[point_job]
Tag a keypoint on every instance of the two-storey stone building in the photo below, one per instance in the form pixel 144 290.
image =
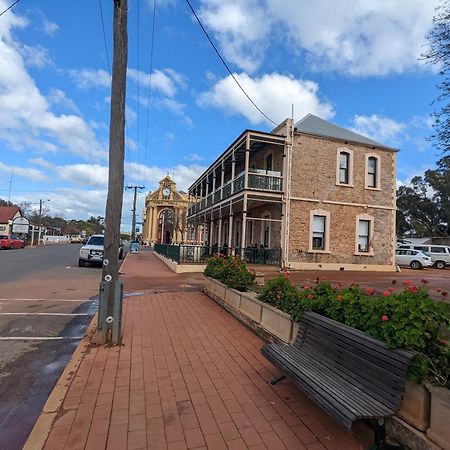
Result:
pixel 321 196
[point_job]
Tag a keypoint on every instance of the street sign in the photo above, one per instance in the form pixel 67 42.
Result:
pixel 20 225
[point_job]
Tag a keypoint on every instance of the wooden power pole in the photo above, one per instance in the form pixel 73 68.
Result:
pixel 110 298
pixel 133 222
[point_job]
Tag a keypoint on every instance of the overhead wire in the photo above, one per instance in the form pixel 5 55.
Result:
pixel 9 7
pixel 138 90
pixel 149 92
pixel 226 65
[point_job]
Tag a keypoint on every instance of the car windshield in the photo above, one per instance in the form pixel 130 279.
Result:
pixel 95 240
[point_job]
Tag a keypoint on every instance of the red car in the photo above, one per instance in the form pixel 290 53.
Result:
pixel 11 242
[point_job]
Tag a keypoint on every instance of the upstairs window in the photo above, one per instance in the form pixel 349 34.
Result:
pixel 344 167
pixel 269 164
pixel 372 172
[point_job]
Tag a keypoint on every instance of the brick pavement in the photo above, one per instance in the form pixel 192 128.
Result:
pixel 188 375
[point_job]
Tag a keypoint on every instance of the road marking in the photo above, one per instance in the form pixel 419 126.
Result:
pixel 45 300
pixel 42 314
pixel 38 338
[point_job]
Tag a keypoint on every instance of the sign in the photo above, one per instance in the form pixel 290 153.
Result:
pixel 20 225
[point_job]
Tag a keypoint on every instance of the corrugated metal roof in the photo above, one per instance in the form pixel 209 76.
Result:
pixel 311 124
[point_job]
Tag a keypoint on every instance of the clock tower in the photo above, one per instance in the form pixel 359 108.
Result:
pixel 164 214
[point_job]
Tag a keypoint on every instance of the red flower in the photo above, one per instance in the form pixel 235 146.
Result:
pixel 386 293
pixel 407 282
pixel 411 288
pixel 339 297
pixel 438 290
pixel 384 317
pixel 309 296
pixel 391 289
pixel 444 294
pixel 370 291
pixel 424 281
pixel 307 287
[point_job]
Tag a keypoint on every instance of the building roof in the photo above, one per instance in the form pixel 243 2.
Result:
pixel 311 124
pixel 8 213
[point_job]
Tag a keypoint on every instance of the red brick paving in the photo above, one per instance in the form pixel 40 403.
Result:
pixel 188 376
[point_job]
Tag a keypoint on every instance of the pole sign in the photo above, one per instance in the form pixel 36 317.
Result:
pixel 20 225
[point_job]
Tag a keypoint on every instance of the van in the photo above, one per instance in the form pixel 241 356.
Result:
pixel 440 254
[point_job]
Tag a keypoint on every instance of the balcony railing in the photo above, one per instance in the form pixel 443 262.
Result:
pixel 239 182
pixel 265 182
pixel 217 195
pixel 226 190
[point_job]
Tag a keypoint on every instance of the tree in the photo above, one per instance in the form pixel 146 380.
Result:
pixel 439 54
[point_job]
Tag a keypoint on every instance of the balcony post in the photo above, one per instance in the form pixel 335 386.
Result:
pixel 222 180
pixel 211 227
pixel 214 182
pixel 233 171
pixel 219 238
pixel 207 185
pixel 230 231
pixel 244 224
pixel 247 160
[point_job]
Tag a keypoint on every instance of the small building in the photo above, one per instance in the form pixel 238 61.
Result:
pixel 311 195
pixel 164 215
pixel 7 216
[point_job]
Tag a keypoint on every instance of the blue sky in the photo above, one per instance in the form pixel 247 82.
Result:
pixel 355 63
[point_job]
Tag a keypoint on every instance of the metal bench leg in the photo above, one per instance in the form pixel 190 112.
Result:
pixel 276 380
pixel 380 437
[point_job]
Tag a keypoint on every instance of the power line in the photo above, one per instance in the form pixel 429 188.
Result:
pixel 104 37
pixel 150 82
pixel 138 89
pixel 226 65
pixel 9 7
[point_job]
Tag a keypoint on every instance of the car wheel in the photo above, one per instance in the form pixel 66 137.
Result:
pixel 416 265
pixel 440 264
pixel 11 247
pixel 81 263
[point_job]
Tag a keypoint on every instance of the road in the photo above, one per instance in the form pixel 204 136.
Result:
pixel 46 304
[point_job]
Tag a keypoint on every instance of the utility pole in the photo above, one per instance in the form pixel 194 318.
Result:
pixel 110 298
pixel 133 225
pixel 41 202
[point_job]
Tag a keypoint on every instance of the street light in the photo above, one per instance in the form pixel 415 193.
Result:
pixel 40 219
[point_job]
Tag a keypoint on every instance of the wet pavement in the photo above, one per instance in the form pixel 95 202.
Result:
pixel 44 311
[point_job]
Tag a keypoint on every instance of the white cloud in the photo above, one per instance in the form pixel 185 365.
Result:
pixel 90 78
pixel 59 98
pixel 28 173
pixel 382 129
pixel 194 157
pixel 356 37
pixel 36 56
pixel 165 81
pixel 273 93
pixel 50 28
pixel 25 114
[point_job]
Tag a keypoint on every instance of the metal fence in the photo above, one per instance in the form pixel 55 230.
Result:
pixel 191 254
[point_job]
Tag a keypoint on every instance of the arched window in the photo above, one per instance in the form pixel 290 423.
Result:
pixel 344 167
pixel 372 172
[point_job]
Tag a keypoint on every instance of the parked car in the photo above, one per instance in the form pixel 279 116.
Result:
pixel 440 254
pixel 93 250
pixel 76 239
pixel 412 258
pixel 11 242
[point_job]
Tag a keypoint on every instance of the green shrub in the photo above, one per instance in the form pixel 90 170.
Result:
pixel 410 319
pixel 230 271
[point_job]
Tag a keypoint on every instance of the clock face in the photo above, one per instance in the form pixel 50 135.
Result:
pixel 166 191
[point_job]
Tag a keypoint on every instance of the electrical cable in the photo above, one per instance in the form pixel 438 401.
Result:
pixel 150 82
pixel 138 90
pixel 9 7
pixel 226 65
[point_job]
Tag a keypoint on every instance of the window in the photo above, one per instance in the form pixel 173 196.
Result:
pixel 344 164
pixel 269 162
pixel 372 176
pixel 363 235
pixel 318 233
pixel 437 249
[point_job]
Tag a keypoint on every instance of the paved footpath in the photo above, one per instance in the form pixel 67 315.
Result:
pixel 188 375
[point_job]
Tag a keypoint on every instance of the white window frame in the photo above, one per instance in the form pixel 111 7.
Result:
pixel 350 166
pixel 326 214
pixel 371 221
pixel 377 175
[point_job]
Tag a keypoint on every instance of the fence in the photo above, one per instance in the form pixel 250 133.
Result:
pixel 192 254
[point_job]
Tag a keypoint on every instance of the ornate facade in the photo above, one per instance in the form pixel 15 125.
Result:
pixel 164 214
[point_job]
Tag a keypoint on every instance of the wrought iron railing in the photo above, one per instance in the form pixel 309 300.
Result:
pixel 264 182
pixel 191 254
pixel 239 183
pixel 226 190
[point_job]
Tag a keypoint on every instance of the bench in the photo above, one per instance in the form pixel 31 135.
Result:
pixel 350 374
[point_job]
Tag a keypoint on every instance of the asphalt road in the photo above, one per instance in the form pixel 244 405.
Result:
pixel 46 304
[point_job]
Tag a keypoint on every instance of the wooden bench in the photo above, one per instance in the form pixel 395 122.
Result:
pixel 347 372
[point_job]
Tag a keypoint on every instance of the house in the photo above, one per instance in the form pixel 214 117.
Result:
pixel 312 195
pixel 7 215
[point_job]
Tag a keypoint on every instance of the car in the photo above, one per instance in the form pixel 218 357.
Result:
pixel 11 242
pixel 92 252
pixel 412 258
pixel 76 239
pixel 440 254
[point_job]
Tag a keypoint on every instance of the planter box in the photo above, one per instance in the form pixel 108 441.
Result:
pixel 233 298
pixel 277 322
pixel 218 289
pixel 251 307
pixel 439 430
pixel 415 407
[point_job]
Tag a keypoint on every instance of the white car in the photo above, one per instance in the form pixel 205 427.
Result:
pixel 412 258
pixel 93 250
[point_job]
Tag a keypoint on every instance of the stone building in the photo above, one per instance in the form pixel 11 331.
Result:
pixel 164 214
pixel 322 196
